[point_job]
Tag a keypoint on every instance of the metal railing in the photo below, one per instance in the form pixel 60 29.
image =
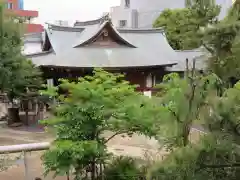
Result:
pixel 26 149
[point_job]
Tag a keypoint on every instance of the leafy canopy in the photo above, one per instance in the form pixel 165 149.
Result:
pixel 88 108
pixel 17 74
pixel 216 154
pixel 183 27
pixel 183 100
pixel 222 41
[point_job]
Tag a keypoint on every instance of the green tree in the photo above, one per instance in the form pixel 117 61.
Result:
pixel 183 27
pixel 17 74
pixel 223 42
pixel 91 106
pixel 209 159
pixel 183 101
pixel 216 155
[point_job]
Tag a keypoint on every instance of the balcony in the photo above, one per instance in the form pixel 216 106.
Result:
pixel 34 28
pixel 24 13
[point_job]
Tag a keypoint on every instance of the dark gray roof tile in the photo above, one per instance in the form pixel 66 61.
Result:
pixel 152 49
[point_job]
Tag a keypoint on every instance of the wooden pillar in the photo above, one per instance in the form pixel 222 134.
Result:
pixel 154 80
pixel 149 84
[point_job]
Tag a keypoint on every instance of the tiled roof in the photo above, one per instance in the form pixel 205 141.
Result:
pixel 146 47
pixel 200 56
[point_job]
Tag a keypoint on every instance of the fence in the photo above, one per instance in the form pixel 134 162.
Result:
pixel 26 149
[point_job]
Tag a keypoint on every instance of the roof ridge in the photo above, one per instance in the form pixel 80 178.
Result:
pixel 141 30
pixel 91 22
pixel 64 28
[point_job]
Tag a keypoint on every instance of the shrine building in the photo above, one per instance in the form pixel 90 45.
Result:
pixel 143 55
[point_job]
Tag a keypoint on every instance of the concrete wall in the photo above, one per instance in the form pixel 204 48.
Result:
pixel 146 19
pixel 142 13
pixel 118 13
pixel 146 5
pixel 148 11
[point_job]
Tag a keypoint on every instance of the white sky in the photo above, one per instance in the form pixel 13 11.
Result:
pixel 70 10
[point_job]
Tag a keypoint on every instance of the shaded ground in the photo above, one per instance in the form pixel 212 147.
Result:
pixel 137 146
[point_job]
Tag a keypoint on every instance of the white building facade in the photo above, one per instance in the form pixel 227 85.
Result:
pixel 142 13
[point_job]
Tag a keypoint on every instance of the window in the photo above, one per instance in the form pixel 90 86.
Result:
pixel 122 23
pixel 127 3
pixel 10 5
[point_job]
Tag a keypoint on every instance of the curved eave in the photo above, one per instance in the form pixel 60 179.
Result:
pixel 43 53
pixel 111 67
pixel 46 45
pixel 90 39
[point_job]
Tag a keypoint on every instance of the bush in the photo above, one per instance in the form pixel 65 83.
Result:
pixel 123 168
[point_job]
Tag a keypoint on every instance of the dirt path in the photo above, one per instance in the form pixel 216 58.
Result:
pixel 137 146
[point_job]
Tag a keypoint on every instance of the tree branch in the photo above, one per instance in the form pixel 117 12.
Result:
pixel 221 166
pixel 175 115
pixel 211 50
pixel 115 134
pixel 237 129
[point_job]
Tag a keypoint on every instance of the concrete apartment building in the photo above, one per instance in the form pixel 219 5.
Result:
pixel 17 7
pixel 142 13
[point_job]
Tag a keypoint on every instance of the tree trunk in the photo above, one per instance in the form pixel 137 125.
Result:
pixel 186 133
pixel 68 177
pixel 93 170
pixel 101 171
pixel 26 116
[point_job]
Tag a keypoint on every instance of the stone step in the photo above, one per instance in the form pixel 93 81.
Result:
pixel 3 124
